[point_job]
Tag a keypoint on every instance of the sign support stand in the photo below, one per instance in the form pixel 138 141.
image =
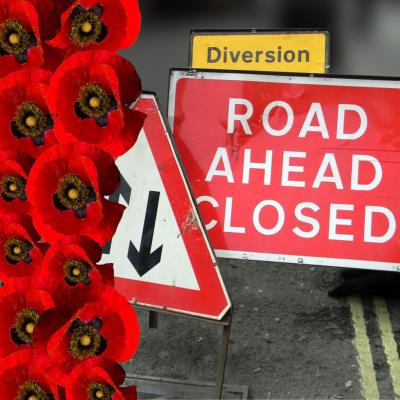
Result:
pixel 225 323
pixel 226 333
pixel 182 273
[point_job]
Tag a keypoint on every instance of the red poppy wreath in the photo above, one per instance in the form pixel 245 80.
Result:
pixel 63 326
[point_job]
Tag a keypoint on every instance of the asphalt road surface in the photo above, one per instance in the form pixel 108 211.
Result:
pixel 289 340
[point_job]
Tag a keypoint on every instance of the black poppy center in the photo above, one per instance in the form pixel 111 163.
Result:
pixel 95 102
pixel 85 340
pixel 16 40
pixel 13 187
pixel 17 250
pixel 100 391
pixel 76 271
pixel 25 323
pixel 73 194
pixel 87 27
pixel 31 390
pixel 31 121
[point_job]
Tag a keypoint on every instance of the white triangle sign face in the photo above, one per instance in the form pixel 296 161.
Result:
pixel 160 252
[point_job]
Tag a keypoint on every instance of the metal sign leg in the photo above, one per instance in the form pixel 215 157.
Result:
pixel 223 356
pixel 226 324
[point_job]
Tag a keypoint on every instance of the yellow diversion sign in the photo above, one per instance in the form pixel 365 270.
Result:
pixel 290 51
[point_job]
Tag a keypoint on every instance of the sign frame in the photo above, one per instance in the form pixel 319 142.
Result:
pixel 384 81
pixel 141 285
pixel 231 32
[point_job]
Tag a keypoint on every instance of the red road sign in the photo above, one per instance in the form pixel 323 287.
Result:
pixel 293 168
pixel 160 252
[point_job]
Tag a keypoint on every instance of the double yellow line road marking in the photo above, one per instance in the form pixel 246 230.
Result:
pixel 369 386
pixel 361 343
pixel 389 343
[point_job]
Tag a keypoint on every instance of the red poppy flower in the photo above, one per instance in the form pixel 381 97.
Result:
pixel 66 187
pixel 90 94
pixel 14 170
pixel 106 326
pixel 25 121
pixel 20 252
pixel 98 378
pixel 22 377
pixel 66 304
pixel 32 309
pixel 102 25
pixel 72 261
pixel 22 302
pixel 20 42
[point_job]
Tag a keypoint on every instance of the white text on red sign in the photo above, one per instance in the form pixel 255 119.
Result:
pixel 302 167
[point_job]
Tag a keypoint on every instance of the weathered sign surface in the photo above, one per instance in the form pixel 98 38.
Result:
pixel 160 252
pixel 293 168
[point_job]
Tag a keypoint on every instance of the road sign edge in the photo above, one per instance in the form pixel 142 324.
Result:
pixel 164 121
pixel 391 82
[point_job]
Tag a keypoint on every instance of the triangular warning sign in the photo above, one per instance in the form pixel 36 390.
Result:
pixel 161 255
